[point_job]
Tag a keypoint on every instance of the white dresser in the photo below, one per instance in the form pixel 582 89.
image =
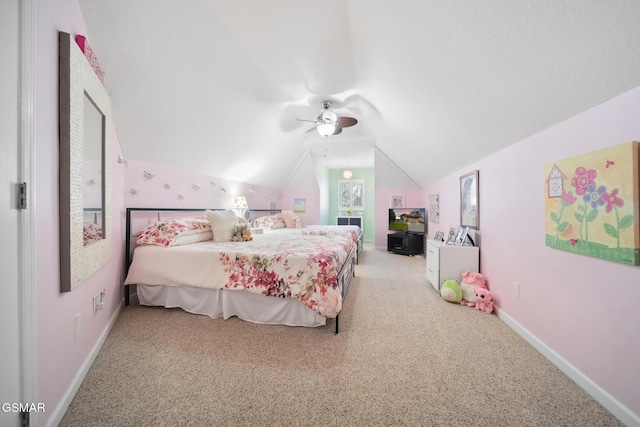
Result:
pixel 448 262
pixel 350 220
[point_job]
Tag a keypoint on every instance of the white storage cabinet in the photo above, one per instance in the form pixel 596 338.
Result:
pixel 448 262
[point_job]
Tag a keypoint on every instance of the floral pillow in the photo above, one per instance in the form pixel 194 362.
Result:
pixel 270 222
pixel 168 232
pixel 291 220
pixel 92 233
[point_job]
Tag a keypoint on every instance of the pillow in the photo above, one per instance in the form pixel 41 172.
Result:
pixel 92 233
pixel 278 224
pixel 193 238
pixel 263 222
pixel 165 232
pixel 270 222
pixel 223 225
pixel 289 219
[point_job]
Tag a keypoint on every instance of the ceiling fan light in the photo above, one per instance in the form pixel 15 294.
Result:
pixel 347 174
pixel 328 116
pixel 326 129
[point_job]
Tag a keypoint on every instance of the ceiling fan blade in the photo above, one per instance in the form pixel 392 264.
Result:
pixel 310 130
pixel 338 130
pixel 346 122
pixel 303 120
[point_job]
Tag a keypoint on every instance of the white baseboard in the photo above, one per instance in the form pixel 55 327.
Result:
pixel 62 407
pixel 594 390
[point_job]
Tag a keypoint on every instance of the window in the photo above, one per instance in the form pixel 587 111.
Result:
pixel 351 195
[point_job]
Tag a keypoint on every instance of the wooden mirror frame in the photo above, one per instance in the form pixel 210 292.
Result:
pixel 77 78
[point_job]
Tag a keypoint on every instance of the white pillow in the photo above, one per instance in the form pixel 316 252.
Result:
pixel 223 225
pixel 192 238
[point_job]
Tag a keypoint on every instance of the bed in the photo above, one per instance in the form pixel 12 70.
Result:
pixel 295 277
pixel 352 231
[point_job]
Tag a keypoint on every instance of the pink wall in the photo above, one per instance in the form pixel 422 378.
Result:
pixel 312 197
pixel 60 357
pixel 583 308
pixel 188 189
pixel 413 198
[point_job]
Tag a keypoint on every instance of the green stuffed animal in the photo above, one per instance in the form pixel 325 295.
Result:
pixel 451 291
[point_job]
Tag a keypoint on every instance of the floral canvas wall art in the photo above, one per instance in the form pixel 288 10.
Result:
pixel 591 204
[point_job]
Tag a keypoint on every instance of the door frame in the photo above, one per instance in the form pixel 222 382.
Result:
pixel 27 217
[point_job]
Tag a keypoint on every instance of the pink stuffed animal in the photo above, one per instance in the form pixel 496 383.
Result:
pixel 484 300
pixel 469 283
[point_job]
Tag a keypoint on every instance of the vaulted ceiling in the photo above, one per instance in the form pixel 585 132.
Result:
pixel 217 86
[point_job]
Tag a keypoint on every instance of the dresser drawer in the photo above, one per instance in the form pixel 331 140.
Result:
pixel 433 256
pixel 433 277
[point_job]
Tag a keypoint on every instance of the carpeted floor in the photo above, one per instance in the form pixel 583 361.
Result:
pixel 403 357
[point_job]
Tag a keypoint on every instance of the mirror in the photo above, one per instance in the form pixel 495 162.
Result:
pixel 85 167
pixel 93 156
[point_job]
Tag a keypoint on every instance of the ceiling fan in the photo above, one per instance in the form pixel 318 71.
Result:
pixel 328 123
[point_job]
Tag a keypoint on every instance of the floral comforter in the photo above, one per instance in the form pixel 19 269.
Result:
pixel 305 267
pixel 351 231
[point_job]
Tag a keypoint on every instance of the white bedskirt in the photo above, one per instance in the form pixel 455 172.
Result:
pixel 227 303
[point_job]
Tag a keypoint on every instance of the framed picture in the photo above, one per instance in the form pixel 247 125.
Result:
pixel 434 207
pixel 299 205
pixel 397 201
pixel 591 204
pixel 439 236
pixel 452 236
pixel 469 209
pixel 461 236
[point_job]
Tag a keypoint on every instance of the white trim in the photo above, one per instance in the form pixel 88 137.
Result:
pixel 61 409
pixel 620 411
pixel 27 217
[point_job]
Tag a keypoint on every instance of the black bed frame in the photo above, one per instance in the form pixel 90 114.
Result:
pixel 344 276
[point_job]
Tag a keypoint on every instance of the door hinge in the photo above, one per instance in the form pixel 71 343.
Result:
pixel 24 419
pixel 22 195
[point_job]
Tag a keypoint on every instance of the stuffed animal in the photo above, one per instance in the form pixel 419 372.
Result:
pixel 246 235
pixel 238 235
pixel 470 282
pixel 451 291
pixel 484 300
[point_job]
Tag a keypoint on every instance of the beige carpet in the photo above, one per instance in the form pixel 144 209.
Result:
pixel 403 357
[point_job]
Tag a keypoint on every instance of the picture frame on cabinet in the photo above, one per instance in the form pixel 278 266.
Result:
pixel 452 236
pixel 461 236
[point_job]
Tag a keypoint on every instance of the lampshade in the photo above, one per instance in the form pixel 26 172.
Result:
pixel 241 202
pixel 347 174
pixel 328 116
pixel 326 129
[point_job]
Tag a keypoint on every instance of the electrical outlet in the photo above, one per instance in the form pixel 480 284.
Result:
pixel 516 290
pixel 98 302
pixel 76 327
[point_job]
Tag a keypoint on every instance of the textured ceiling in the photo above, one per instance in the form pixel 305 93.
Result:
pixel 216 86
